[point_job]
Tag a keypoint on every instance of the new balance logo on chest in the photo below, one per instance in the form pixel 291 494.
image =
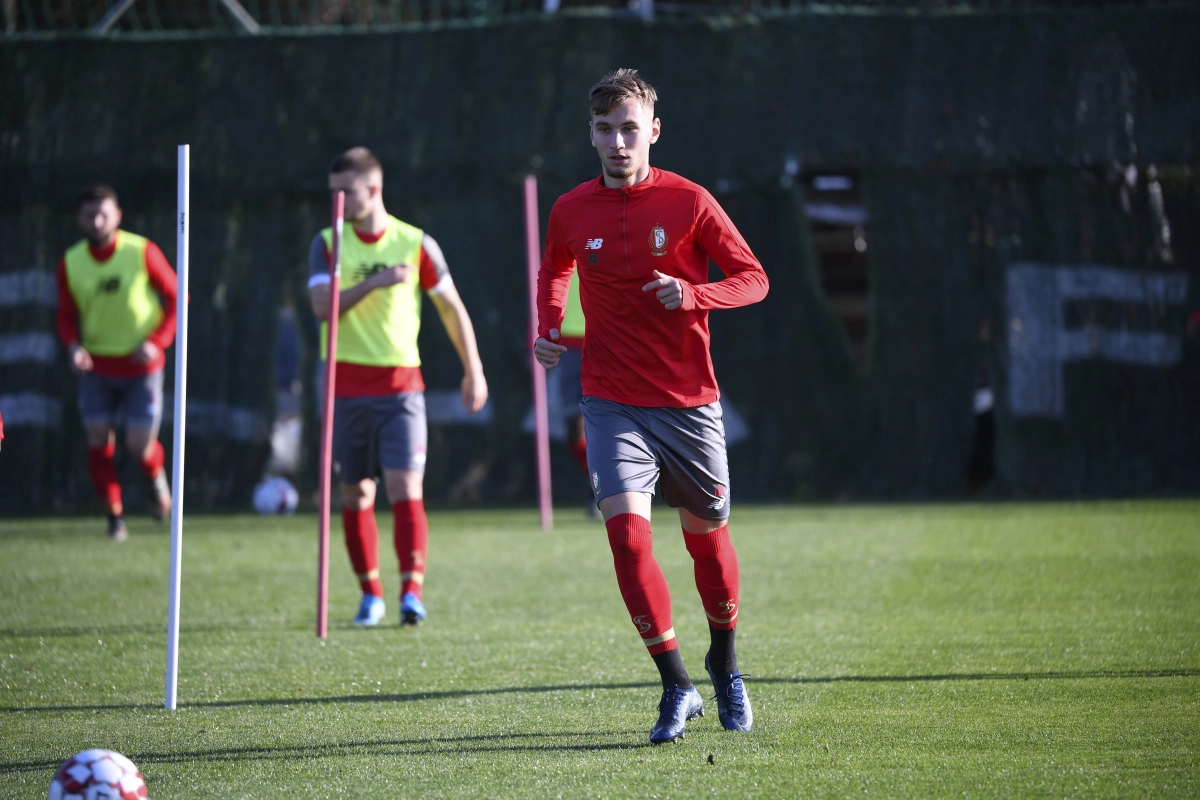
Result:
pixel 364 271
pixel 593 244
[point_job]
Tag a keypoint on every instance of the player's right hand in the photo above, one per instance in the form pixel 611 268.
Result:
pixel 397 273
pixel 547 352
pixel 81 360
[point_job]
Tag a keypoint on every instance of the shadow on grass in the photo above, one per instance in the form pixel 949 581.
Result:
pixel 565 742
pixel 412 697
pixel 994 676
pixel 156 629
pixel 160 629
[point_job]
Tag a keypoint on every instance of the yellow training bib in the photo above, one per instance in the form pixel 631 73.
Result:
pixel 381 330
pixel 118 307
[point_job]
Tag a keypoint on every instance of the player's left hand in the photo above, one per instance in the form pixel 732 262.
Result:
pixel 474 391
pixel 145 353
pixel 669 290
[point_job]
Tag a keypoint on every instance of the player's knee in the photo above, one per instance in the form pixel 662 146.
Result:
pixel 627 543
pixel 698 525
pixel 358 496
pixel 138 448
pixel 404 485
pixel 97 436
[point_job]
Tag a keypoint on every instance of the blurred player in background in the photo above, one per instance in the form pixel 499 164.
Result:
pixel 116 316
pixel 570 364
pixel 642 239
pixel 379 406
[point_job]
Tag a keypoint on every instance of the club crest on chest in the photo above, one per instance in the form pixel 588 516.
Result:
pixel 658 241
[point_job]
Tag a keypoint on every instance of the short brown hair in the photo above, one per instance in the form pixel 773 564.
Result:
pixel 618 86
pixel 358 160
pixel 95 193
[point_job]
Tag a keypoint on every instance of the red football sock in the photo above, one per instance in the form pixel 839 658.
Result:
pixel 154 462
pixel 411 536
pixel 643 587
pixel 578 450
pixel 717 576
pixel 362 543
pixel 104 477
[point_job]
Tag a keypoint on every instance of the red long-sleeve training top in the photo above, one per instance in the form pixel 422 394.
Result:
pixel 162 280
pixel 636 352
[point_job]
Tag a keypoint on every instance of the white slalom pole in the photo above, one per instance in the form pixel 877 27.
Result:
pixel 181 266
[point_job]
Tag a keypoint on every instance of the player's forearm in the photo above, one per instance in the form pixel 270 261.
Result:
pixel 67 320
pixel 347 298
pixel 740 289
pixel 552 291
pixel 162 336
pixel 462 336
pixel 68 327
pixel 166 286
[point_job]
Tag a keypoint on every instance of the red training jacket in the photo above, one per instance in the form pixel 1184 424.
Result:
pixel 636 352
pixel 162 280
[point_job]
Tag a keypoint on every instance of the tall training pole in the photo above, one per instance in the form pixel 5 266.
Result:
pixel 335 274
pixel 181 319
pixel 541 414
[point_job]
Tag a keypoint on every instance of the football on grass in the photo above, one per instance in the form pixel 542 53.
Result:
pixel 98 775
pixel 275 496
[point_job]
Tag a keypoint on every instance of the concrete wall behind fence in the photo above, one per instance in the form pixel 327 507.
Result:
pixel 993 151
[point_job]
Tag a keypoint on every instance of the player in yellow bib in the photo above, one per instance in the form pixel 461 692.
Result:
pixel 570 390
pixel 379 404
pixel 116 317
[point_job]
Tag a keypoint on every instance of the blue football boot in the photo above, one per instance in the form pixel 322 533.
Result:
pixel 733 704
pixel 674 710
pixel 412 612
pixel 371 610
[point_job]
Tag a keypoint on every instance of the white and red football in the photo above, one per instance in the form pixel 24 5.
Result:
pixel 98 775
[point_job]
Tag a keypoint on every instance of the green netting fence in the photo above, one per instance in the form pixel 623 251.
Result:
pixel 49 18
pixel 1029 183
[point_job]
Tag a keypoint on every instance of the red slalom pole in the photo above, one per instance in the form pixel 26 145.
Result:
pixel 541 415
pixel 335 274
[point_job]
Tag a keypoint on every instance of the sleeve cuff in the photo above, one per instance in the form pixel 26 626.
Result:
pixel 318 280
pixel 442 285
pixel 689 296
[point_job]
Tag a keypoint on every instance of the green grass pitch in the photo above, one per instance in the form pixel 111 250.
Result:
pixel 897 651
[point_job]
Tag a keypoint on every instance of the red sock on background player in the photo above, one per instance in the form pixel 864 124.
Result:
pixel 103 470
pixel 578 450
pixel 362 543
pixel 153 463
pixel 411 536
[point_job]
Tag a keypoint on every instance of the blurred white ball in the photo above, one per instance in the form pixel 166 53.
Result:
pixel 98 775
pixel 275 495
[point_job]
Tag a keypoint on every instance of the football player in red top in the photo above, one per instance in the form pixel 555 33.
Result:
pixel 116 317
pixel 641 239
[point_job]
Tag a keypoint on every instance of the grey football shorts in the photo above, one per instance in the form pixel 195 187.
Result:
pixel 387 431
pixel 630 448
pixel 137 401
